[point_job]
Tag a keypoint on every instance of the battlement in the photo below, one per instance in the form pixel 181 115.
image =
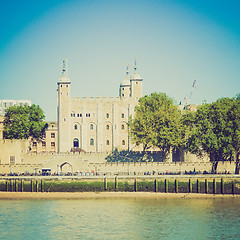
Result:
pixel 96 99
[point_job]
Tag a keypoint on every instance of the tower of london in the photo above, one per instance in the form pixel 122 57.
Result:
pixel 96 124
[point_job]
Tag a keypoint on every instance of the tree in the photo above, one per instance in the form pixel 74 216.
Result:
pixel 212 131
pixel 22 122
pixel 157 123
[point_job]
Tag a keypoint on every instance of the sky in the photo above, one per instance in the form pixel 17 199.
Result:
pixel 174 42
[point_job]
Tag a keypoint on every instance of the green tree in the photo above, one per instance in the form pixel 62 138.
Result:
pixel 211 131
pixel 157 123
pixel 22 122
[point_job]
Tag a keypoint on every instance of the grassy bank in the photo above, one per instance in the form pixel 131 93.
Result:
pixel 210 186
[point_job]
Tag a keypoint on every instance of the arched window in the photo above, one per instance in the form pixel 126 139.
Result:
pixel 91 126
pixel 107 142
pixel 123 142
pixel 107 115
pixel 75 127
pixel 75 143
pixel 122 127
pixel 91 141
pixel 122 115
pixel 107 127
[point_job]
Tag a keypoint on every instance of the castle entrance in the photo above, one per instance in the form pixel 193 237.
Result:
pixel 75 143
pixel 66 168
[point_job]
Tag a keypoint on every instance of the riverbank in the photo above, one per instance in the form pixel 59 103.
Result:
pixel 106 195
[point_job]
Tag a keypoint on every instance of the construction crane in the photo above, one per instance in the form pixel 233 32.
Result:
pixel 185 104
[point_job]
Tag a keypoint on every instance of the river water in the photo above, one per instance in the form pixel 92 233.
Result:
pixel 120 219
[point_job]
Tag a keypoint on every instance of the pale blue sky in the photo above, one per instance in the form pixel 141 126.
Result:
pixel 174 41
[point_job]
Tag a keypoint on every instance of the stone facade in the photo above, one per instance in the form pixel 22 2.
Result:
pixel 96 124
pixel 4 104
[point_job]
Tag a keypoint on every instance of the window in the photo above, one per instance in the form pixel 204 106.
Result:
pixel 75 143
pixel 136 82
pixel 43 144
pixel 44 135
pixel 66 85
pixel 122 115
pixel 91 141
pixel 91 126
pixel 61 85
pixel 122 95
pixel 78 115
pixel 52 135
pixel 34 144
pixel 123 88
pixel 107 115
pixel 12 159
pixel 87 114
pixel 107 142
pixel 52 144
pixel 122 127
pixel 123 142
pixel 75 127
pixel 107 127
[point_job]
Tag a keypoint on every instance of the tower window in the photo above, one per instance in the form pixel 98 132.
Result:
pixel 107 142
pixel 123 95
pixel 122 115
pixel 66 85
pixel 91 126
pixel 61 85
pixel 107 115
pixel 123 142
pixel 78 115
pixel 122 127
pixel 91 141
pixel 75 143
pixel 136 82
pixel 107 127
pixel 123 88
pixel 87 114
pixel 75 127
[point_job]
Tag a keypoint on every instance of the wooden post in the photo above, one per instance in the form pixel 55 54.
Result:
pixel 198 186
pixel 135 185
pixel 22 185
pixel 190 185
pixel 214 186
pixel 42 190
pixel 16 185
pixel 116 182
pixel 176 186
pixel 36 185
pixel 11 186
pixel 166 186
pixel 233 188
pixel 206 186
pixel 7 188
pixel 31 185
pixel 155 185
pixel 105 183
pixel 222 186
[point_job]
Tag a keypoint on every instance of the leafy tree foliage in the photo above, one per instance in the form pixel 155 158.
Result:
pixel 22 122
pixel 157 123
pixel 214 130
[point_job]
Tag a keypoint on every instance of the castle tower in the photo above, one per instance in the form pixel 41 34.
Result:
pixel 124 90
pixel 136 84
pixel 64 108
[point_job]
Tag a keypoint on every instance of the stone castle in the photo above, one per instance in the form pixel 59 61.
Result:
pixel 86 131
pixel 96 124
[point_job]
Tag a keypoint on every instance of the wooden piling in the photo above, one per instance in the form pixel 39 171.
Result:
pixel 190 185
pixel 36 186
pixel 31 185
pixel 233 187
pixel 105 183
pixel 22 182
pixel 42 190
pixel 7 186
pixel 198 186
pixel 222 186
pixel 155 185
pixel 214 186
pixel 116 182
pixel 206 186
pixel 176 186
pixel 135 185
pixel 166 186
pixel 16 185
